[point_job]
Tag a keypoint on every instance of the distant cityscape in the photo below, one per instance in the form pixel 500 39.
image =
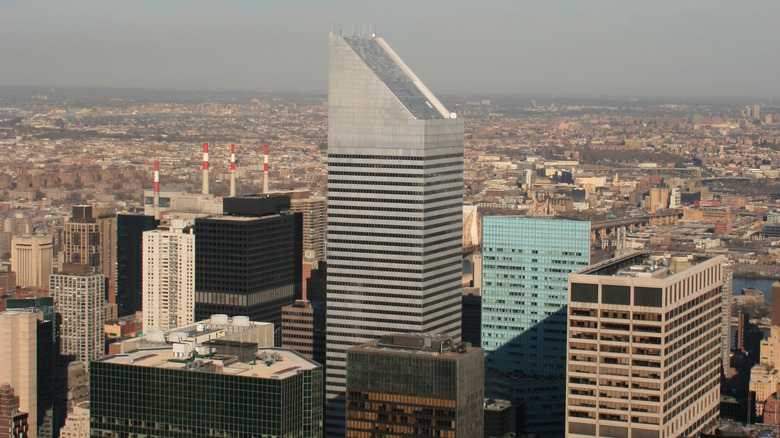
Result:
pixel 387 262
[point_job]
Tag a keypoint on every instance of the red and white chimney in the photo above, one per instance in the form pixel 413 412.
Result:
pixel 232 170
pixel 156 189
pixel 205 169
pixel 265 170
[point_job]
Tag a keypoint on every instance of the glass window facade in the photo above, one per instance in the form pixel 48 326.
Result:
pixel 525 268
pixel 130 400
pixel 408 394
pixel 248 265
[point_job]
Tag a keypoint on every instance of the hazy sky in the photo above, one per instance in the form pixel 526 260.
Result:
pixel 712 48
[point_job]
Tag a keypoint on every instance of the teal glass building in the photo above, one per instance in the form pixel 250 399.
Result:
pixel 525 268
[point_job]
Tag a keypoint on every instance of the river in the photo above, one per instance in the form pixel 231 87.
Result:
pixel 762 284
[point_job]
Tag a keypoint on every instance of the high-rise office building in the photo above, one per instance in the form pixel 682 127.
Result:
pixel 725 316
pixel 129 260
pixel 81 238
pixel 303 328
pixel 395 202
pixel 644 346
pixel 26 357
pixel 50 413
pixel 248 261
pixel 107 227
pixel 313 210
pixel 500 418
pixel 471 309
pixel 79 300
pixel 31 260
pixel 315 280
pixel 214 378
pixel 415 385
pixel 168 277
pixel 525 268
pixel 776 303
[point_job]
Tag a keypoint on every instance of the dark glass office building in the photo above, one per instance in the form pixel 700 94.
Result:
pixel 471 328
pixel 129 260
pixel 151 393
pixel 248 261
pixel 415 385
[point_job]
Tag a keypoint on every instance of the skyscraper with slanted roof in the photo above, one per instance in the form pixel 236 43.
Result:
pixel 395 200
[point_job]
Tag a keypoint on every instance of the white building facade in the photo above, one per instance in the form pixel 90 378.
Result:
pixel 168 278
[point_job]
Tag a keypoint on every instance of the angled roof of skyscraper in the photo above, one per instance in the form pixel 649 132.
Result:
pixel 398 78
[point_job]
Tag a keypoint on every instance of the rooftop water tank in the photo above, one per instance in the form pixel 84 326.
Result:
pixel 219 319
pixel 241 321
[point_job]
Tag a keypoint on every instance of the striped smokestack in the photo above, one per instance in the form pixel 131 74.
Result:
pixel 205 168
pixel 265 171
pixel 156 189
pixel 232 170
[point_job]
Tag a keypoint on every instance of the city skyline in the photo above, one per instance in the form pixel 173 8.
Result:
pixel 598 48
pixel 414 225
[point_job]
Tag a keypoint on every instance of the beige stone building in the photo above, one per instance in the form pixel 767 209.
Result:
pixel 31 260
pixel 313 209
pixel 765 375
pixel 77 423
pixel 18 361
pixel 644 346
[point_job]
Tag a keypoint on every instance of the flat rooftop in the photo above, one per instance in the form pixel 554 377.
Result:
pixel 271 363
pixel 229 218
pixel 496 405
pixel 647 264
pixel 418 345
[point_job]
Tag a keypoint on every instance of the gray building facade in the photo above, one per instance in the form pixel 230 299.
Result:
pixel 395 196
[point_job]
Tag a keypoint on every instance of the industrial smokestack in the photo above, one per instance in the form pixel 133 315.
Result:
pixel 156 189
pixel 205 168
pixel 265 171
pixel 232 170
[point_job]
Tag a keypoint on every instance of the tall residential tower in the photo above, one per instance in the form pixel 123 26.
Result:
pixel 395 200
pixel 168 277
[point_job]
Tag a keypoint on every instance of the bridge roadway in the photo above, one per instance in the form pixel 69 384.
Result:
pixel 634 220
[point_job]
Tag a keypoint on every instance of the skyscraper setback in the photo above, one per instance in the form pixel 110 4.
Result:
pixel 395 196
